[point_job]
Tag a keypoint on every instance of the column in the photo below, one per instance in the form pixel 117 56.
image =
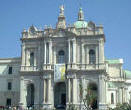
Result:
pixel 35 57
pixel 50 52
pixel 97 54
pixel 36 90
pixel 49 91
pixel 74 51
pixel 120 95
pixel 126 94
pixel 101 51
pixel 54 55
pixel 74 91
pixel 43 91
pixel 83 54
pixel 45 52
pixel 68 90
pixel 102 93
pixel 27 57
pixel 23 55
pixel 69 55
pixel 39 61
pixel 23 91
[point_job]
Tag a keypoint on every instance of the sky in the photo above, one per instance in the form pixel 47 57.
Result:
pixel 114 15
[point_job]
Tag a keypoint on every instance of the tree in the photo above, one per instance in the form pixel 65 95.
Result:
pixel 124 106
pixel 89 99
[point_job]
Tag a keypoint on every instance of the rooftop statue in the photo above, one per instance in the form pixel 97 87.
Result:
pixel 61 10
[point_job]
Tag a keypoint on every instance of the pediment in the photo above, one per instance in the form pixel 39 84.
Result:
pixel 59 33
pixel 62 33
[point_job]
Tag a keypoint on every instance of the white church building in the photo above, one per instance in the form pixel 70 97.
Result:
pixel 61 66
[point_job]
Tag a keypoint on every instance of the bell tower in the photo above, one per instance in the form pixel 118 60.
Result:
pixel 61 24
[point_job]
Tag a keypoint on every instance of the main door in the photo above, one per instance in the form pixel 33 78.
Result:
pixel 30 95
pixel 63 99
pixel 60 95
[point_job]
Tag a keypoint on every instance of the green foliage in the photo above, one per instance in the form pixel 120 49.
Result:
pixel 90 96
pixel 81 91
pixel 124 106
pixel 71 107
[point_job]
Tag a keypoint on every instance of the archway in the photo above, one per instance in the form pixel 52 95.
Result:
pixel 30 95
pixel 93 93
pixel 60 95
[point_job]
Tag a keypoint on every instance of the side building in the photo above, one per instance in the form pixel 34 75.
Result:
pixel 9 81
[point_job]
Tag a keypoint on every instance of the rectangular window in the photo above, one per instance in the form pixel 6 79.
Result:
pixel 9 85
pixel 8 102
pixel 10 70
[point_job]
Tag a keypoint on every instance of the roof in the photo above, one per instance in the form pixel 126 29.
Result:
pixel 81 24
pixel 114 61
pixel 128 74
pixel 10 60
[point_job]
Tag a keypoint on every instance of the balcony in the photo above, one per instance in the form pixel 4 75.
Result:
pixel 67 66
pixel 48 66
pixel 77 66
pixel 86 66
pixel 29 68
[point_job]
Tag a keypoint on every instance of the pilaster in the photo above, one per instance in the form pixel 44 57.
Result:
pixel 74 51
pixel 45 52
pixel 50 52
pixel 69 55
pixel 23 54
pixel 102 93
pixel 74 91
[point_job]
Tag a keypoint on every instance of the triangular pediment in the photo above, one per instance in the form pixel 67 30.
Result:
pixel 62 33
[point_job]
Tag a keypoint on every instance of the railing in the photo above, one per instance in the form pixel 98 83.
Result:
pixel 48 66
pixel 86 66
pixel 29 68
pixel 67 66
pixel 77 66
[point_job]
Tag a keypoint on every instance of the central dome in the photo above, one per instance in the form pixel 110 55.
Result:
pixel 80 24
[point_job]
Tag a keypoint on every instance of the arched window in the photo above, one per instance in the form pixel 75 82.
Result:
pixel 112 98
pixel 92 57
pixel 32 59
pixel 61 56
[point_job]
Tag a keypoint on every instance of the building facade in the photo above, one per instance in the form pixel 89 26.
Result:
pixel 62 66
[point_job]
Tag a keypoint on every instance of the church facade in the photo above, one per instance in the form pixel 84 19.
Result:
pixel 62 67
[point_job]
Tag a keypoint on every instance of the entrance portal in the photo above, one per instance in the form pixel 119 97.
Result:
pixel 30 95
pixel 92 89
pixel 60 95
